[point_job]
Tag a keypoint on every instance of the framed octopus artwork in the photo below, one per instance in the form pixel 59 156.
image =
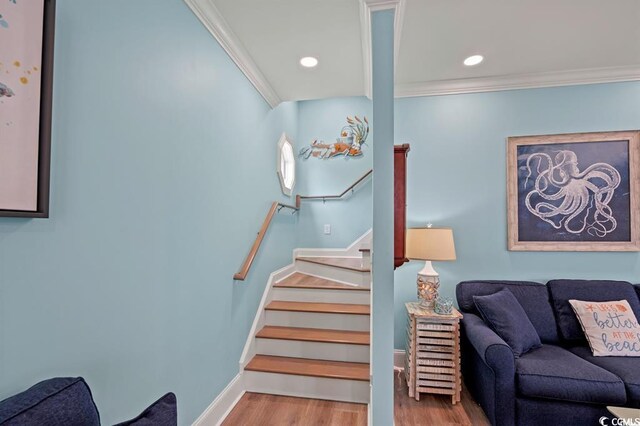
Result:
pixel 574 192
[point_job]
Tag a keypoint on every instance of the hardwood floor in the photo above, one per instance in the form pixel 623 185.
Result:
pixel 255 409
pixel 435 409
pixel 314 335
pixel 270 410
pixel 323 308
pixel 310 367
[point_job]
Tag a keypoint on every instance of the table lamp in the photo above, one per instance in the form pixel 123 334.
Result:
pixel 430 244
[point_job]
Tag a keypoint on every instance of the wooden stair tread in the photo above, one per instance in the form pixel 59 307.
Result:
pixel 351 263
pixel 325 308
pixel 310 367
pixel 299 280
pixel 314 335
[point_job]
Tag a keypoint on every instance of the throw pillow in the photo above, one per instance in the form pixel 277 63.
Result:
pixel 610 327
pixel 61 401
pixel 163 412
pixel 504 315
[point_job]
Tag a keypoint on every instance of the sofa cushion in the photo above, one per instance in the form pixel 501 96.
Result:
pixel 611 328
pixel 593 290
pixel 163 412
pixel 555 373
pixel 533 297
pixel 627 368
pixel 504 315
pixel 60 401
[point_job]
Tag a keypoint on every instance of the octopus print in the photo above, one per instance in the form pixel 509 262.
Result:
pixel 568 198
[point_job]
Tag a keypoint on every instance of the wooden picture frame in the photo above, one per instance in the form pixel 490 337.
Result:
pixel 45 109
pixel 574 192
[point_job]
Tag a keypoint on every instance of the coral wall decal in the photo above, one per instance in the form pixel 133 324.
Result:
pixel 352 137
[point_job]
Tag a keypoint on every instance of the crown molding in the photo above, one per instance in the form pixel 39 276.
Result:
pixel 215 23
pixel 367 7
pixel 522 81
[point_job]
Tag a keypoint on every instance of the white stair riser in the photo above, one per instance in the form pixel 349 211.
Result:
pixel 313 350
pixel 318 320
pixel 307 387
pixel 340 275
pixel 366 259
pixel 320 295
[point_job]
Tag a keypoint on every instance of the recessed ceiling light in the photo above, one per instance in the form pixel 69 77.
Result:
pixel 473 60
pixel 309 62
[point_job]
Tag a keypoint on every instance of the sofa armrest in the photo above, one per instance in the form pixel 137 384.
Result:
pixel 490 370
pixel 489 346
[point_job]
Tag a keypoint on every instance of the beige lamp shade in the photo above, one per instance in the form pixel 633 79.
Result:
pixel 430 244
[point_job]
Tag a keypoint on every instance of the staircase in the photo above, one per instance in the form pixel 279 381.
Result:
pixel 311 337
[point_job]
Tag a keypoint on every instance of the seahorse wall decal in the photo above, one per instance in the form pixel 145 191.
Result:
pixel 352 137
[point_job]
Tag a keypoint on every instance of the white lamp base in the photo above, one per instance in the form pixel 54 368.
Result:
pixel 428 284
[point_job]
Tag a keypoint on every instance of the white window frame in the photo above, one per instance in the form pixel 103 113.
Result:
pixel 287 182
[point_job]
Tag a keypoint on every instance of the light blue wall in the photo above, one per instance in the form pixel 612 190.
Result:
pixel 163 168
pixel 457 178
pixel 351 217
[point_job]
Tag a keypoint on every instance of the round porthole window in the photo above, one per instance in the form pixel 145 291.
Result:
pixel 286 165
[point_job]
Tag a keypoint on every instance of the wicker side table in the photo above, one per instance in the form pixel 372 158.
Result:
pixel 432 363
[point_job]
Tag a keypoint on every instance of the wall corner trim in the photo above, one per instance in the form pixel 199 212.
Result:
pixel 220 408
pixel 215 23
pixel 366 8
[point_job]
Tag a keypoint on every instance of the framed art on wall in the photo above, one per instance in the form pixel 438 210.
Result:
pixel 26 83
pixel 573 192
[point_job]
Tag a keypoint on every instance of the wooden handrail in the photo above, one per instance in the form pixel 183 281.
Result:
pixel 276 207
pixel 299 198
pixel 244 270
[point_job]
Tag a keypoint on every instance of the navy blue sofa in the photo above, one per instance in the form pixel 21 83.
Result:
pixel 559 383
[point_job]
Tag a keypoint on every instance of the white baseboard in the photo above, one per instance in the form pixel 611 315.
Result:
pixel 215 413
pixel 398 359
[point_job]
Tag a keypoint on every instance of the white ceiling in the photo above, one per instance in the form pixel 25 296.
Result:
pixel 277 33
pixel 526 43
pixel 517 38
